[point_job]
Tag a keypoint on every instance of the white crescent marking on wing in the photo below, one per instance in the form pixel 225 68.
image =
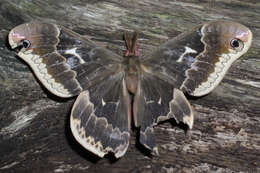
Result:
pixel 103 102
pixel 187 51
pixel 73 52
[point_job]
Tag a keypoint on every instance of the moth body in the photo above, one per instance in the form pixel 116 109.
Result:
pixel 132 71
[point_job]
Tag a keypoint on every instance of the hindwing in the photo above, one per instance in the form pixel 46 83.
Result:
pixel 100 117
pixel 157 100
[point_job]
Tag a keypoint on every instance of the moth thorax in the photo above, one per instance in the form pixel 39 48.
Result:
pixel 131 83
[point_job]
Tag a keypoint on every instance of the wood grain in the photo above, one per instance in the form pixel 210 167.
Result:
pixel 34 132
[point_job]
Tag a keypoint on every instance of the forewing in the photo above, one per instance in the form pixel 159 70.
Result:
pixel 65 62
pixel 100 117
pixel 196 61
pixel 157 100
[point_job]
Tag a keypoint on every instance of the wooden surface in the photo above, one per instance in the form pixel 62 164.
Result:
pixel 34 129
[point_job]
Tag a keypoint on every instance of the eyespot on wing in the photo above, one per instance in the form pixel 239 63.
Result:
pixel 30 33
pixel 224 42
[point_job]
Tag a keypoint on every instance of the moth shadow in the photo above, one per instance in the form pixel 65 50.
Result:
pixel 52 96
pixel 7 45
pixel 174 123
pixel 194 98
pixel 179 125
pixel 145 151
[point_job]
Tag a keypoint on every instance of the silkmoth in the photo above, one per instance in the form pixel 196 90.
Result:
pixel 114 88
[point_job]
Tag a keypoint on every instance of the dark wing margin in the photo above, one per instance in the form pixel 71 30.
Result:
pixel 157 100
pixel 65 62
pixel 100 117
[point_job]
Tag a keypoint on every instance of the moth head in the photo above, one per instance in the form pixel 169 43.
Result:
pixel 223 43
pixel 131 45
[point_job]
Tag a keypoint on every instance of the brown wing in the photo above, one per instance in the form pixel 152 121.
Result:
pixel 194 62
pixel 100 117
pixel 157 100
pixel 67 65
pixel 65 62
pixel 197 61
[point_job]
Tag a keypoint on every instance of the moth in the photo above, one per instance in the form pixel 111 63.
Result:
pixel 113 90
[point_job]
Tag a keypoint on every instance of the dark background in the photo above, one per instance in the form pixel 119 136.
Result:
pixel 34 129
